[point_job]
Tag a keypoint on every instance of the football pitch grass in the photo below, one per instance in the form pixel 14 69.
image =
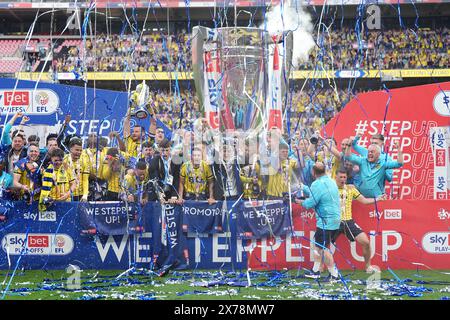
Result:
pixel 223 285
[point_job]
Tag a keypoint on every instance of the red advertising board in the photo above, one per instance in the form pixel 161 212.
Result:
pixel 404 234
pixel 405 115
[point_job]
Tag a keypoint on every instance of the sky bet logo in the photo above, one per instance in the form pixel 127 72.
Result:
pixel 33 102
pixel 38 241
pixel 388 214
pixel 440 157
pixel 33 241
pixel 49 216
pixel 436 242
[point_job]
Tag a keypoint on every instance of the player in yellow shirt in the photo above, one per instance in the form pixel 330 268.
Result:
pixel 135 184
pixel 80 167
pixel 280 178
pixel 112 170
pixel 57 182
pixel 251 180
pixel 27 174
pixel 133 139
pixel 348 226
pixel 196 179
pixel 96 152
pixel 134 142
pixel 324 150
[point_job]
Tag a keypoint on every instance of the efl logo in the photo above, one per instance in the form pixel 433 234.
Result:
pixel 42 98
pixel 440 157
pixel 38 241
pixel 392 214
pixel 20 98
pixel 60 241
pixel 436 242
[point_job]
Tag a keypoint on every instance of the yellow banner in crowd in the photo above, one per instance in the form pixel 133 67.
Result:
pixel 299 74
pixel 398 73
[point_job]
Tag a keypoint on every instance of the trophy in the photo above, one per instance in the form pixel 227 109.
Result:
pixel 239 75
pixel 139 101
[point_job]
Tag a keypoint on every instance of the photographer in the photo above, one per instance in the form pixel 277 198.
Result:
pixel 324 150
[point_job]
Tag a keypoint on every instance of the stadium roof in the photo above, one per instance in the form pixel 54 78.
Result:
pixel 192 3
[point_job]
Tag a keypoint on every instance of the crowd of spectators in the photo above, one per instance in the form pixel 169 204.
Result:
pixel 307 108
pixel 156 52
pixel 153 53
pixel 390 49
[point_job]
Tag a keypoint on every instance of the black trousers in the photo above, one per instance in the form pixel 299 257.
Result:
pixel 111 196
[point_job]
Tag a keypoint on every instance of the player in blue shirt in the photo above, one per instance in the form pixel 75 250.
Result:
pixel 324 198
pixel 372 169
pixel 377 139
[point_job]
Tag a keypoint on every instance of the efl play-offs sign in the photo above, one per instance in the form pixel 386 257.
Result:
pixel 439 140
pixel 37 244
pixel 30 102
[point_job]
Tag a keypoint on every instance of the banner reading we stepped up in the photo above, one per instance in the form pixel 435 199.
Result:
pixel 419 118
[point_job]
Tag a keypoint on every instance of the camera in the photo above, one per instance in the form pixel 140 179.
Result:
pixel 132 213
pixel 26 197
pixel 314 139
pixel 97 190
pixel 255 189
pixel 167 191
pixel 47 201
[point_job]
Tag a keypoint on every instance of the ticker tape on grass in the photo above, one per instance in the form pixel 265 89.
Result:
pixel 228 284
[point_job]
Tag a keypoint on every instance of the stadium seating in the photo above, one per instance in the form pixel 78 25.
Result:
pixel 10 65
pixel 395 49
